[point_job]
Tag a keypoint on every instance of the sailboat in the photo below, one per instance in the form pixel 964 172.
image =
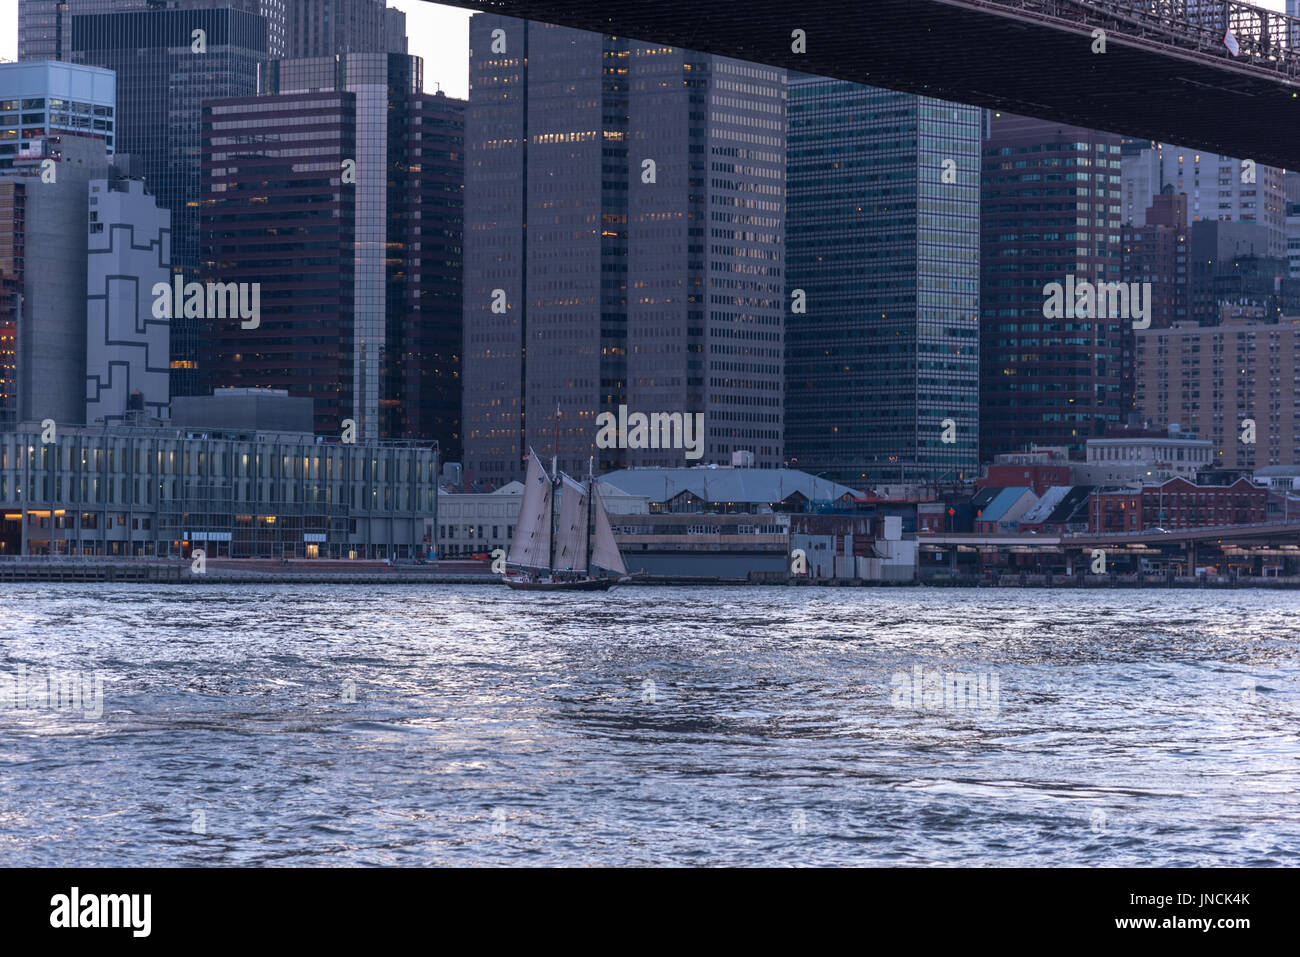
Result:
pixel 560 551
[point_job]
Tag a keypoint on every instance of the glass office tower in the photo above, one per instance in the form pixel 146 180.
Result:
pixel 623 246
pixel 339 191
pixel 45 26
pixel 1051 211
pixel 43 99
pixel 882 254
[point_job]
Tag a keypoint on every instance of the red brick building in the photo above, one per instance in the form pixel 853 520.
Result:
pixel 1038 477
pixel 1177 504
pixel 1115 511
pixel 1180 504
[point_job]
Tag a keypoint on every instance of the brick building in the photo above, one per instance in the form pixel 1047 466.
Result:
pixel 1177 504
pixel 1213 381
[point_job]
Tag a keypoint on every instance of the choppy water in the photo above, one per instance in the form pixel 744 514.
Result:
pixel 749 726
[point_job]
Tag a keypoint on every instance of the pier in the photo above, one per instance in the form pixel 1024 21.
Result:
pixel 240 571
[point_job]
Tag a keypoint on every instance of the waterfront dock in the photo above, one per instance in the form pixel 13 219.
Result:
pixel 240 571
pixel 40 568
pixel 90 569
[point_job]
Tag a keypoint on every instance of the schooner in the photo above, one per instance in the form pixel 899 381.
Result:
pixel 560 549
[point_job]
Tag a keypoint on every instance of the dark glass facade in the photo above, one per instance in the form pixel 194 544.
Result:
pixel 1050 210
pixel 626 199
pixel 421 396
pixel 45 30
pixel 885 255
pixel 360 280
pixel 326 27
pixel 276 212
pixel 13 217
pixel 10 297
pixel 40 30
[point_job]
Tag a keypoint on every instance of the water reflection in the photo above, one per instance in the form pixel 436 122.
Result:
pixel 751 726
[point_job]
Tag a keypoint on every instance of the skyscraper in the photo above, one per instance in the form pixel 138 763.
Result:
pixel 623 247
pixel 48 223
pixel 47 98
pixel 1233 273
pixel 339 192
pixel 86 245
pixel 302 226
pixel 10 304
pixel 326 27
pixel 45 26
pixel 1208 380
pixel 883 249
pixel 1050 214
pixel 13 210
pixel 422 366
pixel 128 254
pixel 168 61
pixel 1217 187
pixel 1158 251
pixel 1293 239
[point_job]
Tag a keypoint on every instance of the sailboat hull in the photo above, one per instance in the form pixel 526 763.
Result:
pixel 588 584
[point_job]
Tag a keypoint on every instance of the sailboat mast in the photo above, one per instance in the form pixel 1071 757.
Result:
pixel 555 480
pixel 591 516
pixel 555 444
pixel 550 561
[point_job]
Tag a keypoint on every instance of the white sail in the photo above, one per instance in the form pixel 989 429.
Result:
pixel 531 547
pixel 571 528
pixel 605 552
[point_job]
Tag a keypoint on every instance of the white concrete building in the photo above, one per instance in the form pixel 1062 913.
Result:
pixel 127 348
pixel 1137 456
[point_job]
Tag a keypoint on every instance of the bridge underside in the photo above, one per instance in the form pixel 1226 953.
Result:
pixel 962 51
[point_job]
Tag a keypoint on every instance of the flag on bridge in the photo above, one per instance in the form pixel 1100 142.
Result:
pixel 1231 43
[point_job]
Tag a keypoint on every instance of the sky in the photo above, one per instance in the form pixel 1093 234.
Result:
pixel 439 34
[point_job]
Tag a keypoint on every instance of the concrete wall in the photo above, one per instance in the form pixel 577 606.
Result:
pixel 52 327
pixel 244 411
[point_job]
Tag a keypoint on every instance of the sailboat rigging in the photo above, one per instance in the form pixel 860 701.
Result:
pixel 562 535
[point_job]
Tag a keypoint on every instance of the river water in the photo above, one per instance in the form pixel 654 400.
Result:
pixel 471 725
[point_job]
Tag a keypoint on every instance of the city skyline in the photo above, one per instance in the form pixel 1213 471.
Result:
pixel 651 353
pixel 615 436
pixel 439 34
